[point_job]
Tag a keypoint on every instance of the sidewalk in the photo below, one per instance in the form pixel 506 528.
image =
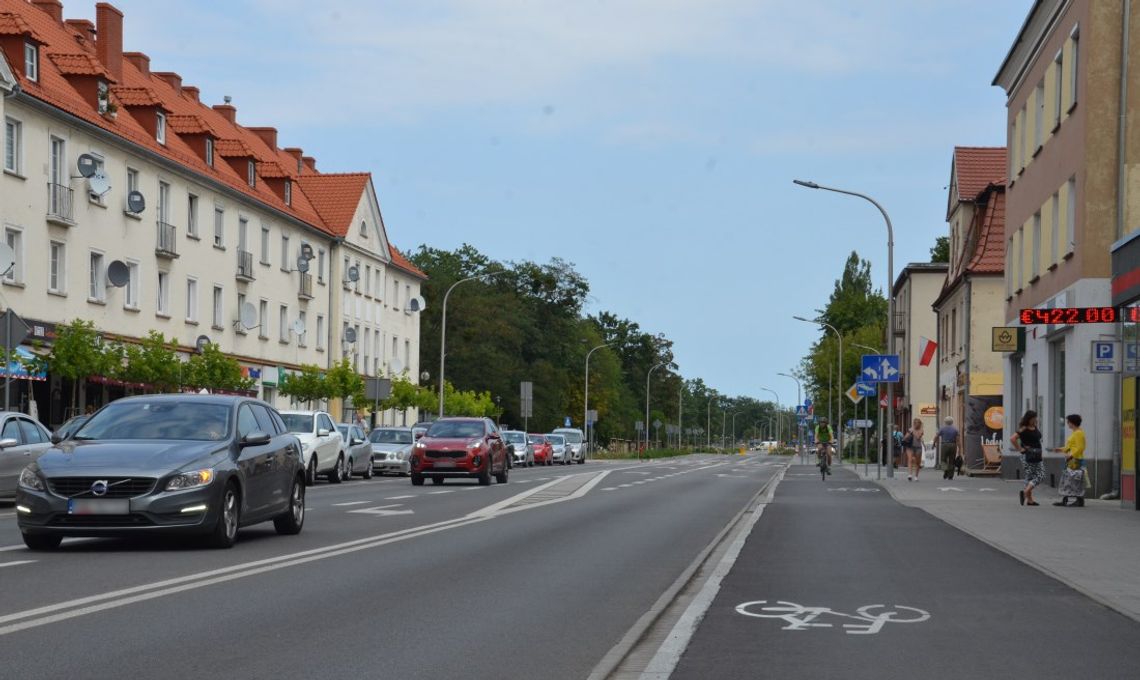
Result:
pixel 1094 549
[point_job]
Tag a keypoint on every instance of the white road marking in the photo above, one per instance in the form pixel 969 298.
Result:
pixel 383 511
pixel 436 493
pixel 15 564
pixel 799 617
pixel 4 515
pixel 399 498
pixel 610 488
pixel 341 505
pixel 949 488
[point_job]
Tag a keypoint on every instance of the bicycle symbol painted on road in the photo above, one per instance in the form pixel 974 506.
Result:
pixel 871 618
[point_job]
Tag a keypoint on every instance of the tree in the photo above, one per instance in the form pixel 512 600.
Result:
pixel 308 386
pixel 343 382
pixel 213 370
pixel 153 362
pixel 78 353
pixel 940 252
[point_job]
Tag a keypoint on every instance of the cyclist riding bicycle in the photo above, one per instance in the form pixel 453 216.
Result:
pixel 824 439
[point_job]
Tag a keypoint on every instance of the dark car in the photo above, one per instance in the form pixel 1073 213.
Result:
pixel 460 447
pixel 69 427
pixel 184 464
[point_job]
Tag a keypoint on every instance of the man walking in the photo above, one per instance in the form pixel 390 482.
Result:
pixel 946 444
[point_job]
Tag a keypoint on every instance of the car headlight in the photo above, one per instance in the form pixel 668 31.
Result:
pixel 420 446
pixel 30 480
pixel 402 455
pixel 190 480
pixel 474 446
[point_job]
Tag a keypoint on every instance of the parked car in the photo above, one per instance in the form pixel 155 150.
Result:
pixel 176 463
pixel 322 446
pixel 576 441
pixel 420 428
pixel 68 428
pixel 521 451
pixel 559 449
pixel 391 449
pixel 543 451
pixel 358 450
pixel 460 447
pixel 22 441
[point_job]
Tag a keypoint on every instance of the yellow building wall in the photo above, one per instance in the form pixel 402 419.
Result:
pixel 986 311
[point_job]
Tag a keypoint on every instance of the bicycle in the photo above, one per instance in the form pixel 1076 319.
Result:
pixel 824 454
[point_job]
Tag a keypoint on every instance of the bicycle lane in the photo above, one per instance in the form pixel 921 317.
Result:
pixel 824 550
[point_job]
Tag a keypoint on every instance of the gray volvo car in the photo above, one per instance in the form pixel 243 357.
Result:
pixel 178 463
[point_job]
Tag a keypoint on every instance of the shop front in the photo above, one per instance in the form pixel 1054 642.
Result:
pixel 1126 293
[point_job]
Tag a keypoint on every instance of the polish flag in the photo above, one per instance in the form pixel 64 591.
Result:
pixel 926 348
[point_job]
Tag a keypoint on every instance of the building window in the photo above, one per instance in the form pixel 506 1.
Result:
pixel 288 192
pixel 285 252
pixel 1035 244
pixel 97 287
pixel 407 297
pixel 250 174
pixel 304 328
pixel 219 296
pixel 57 267
pixel 13 141
pixel 192 215
pixel 1058 85
pixel 1039 117
pixel 408 355
pixel 164 202
pixel 1023 141
pixel 192 300
pixel 102 97
pixel 59 171
pixel 15 240
pixel 283 323
pixel 395 294
pixel 132 180
pixel 320 266
pixel 953 331
pixel 1057 389
pixel 263 320
pixel 239 327
pixel 243 235
pixel 1054 233
pixel 1073 62
pixel 1071 214
pixel 31 61
pixel 219 227
pixel 264 244
pixel 320 331
pixel 164 293
pixel 160 127
pixel 364 228
pixel 210 151
pixel 131 298
pixel 367 279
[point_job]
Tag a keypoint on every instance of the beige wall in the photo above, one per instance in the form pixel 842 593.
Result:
pixel 986 366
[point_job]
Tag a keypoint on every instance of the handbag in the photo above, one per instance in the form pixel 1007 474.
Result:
pixel 908 441
pixel 1032 455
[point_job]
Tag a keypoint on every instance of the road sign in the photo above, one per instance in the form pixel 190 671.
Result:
pixel 377 389
pixel 592 416
pixel 639 426
pixel 853 394
pixel 657 424
pixel 18 333
pixel 1106 356
pixel 567 422
pixel 801 412
pixel 861 424
pixel 866 389
pixel 807 402
pixel 526 399
pixel 880 368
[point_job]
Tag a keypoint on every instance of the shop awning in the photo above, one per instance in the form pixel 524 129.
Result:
pixel 17 370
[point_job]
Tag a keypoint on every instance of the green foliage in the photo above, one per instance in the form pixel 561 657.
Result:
pixel 213 370
pixel 79 352
pixel 940 252
pixel 153 362
pixel 343 382
pixel 308 386
pixel 467 403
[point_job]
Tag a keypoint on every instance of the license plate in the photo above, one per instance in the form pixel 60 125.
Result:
pixel 444 464
pixel 111 506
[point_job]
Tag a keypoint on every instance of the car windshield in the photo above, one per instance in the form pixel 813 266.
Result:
pixel 556 439
pixel 298 422
pixel 390 437
pixel 68 428
pixel 514 437
pixel 535 439
pixel 166 419
pixel 573 437
pixel 343 430
pixel 455 429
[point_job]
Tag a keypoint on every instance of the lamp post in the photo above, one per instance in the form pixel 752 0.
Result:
pixel 889 446
pixel 779 425
pixel 586 397
pixel 443 330
pixel 734 426
pixel 647 377
pixel 890 286
pixel 799 400
pixel 840 409
pixel 708 424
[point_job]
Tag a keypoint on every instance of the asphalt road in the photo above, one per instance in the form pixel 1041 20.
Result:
pixel 845 544
pixel 536 578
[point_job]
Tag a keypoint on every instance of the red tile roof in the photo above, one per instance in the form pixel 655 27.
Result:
pixel 271 170
pixel 976 167
pixel 336 196
pixel 136 96
pixel 183 124
pixel 398 260
pixel 989 250
pixel 79 64
pixel 13 24
pixel 233 148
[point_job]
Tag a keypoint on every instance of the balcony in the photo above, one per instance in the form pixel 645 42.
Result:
pixel 245 266
pixel 166 246
pixel 61 207
pixel 305 292
pixel 899 325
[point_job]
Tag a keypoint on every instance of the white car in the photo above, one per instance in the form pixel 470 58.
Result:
pixel 575 440
pixel 559 449
pixel 523 451
pixel 322 448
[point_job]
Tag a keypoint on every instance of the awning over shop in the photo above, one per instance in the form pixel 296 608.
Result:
pixel 17 370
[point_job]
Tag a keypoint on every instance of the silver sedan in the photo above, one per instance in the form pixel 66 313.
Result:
pixel 391 449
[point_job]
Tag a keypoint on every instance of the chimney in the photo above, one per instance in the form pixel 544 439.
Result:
pixel 109 34
pixel 140 60
pixel 172 79
pixel 54 8
pixel 267 135
pixel 310 163
pixel 193 91
pixel 228 112
pixel 297 154
pixel 84 27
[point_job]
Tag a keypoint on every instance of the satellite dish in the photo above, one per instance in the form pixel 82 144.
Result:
pixel 350 335
pixel 201 342
pixel 247 315
pixel 98 183
pixel 118 273
pixel 302 264
pixel 299 327
pixel 417 304
pixel 306 251
pixel 87 165
pixel 396 366
pixel 136 203
pixel 353 274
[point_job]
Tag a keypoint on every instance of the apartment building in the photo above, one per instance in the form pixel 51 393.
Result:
pixel 916 287
pixel 129 202
pixel 971 301
pixel 1063 80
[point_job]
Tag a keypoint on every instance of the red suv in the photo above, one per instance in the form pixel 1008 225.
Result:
pixel 460 447
pixel 543 451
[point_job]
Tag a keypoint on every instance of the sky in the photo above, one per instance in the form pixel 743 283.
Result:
pixel 652 143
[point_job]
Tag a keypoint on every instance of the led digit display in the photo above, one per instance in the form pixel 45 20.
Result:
pixel 1075 315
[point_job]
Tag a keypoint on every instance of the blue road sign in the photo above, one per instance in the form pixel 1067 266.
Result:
pixel 567 423
pixel 801 412
pixel 879 368
pixel 866 389
pixel 807 402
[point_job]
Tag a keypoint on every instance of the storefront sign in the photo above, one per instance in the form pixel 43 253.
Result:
pixel 927 410
pixel 1008 339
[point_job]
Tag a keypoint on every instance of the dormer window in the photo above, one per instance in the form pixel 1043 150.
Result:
pixel 160 127
pixel 251 175
pixel 103 97
pixel 288 192
pixel 31 61
pixel 210 151
pixel 363 228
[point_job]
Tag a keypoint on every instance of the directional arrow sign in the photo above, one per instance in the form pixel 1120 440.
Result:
pixel 880 368
pixel 383 510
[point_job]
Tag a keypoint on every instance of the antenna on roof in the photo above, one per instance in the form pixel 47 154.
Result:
pixel 227 99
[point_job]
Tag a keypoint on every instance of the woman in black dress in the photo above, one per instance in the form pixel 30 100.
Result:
pixel 1027 440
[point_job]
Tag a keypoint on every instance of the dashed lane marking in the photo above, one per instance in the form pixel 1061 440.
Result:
pixel 15 564
pixel 341 505
pixel 436 493
pixel 399 498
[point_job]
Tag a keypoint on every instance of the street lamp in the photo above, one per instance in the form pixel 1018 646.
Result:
pixel 443 330
pixel 734 426
pixel 779 425
pixel 799 400
pixel 840 409
pixel 647 377
pixel 890 286
pixel 586 398
pixel 890 446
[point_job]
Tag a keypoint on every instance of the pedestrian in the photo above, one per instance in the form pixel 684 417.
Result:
pixel 913 447
pixel 896 446
pixel 1027 440
pixel 946 444
pixel 1073 479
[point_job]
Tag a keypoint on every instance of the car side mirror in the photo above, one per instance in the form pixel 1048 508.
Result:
pixel 5 443
pixel 356 442
pixel 55 438
pixel 322 432
pixel 255 439
pixel 420 435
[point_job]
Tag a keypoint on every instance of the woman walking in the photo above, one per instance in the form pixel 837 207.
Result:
pixel 1073 478
pixel 1027 440
pixel 912 446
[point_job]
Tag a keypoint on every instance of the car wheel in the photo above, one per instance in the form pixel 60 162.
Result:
pixel 311 473
pixel 349 467
pixel 336 475
pixel 42 541
pixel 438 481
pixel 417 480
pixel 501 478
pixel 290 522
pixel 368 470
pixel 485 473
pixel 225 529
pixel 582 460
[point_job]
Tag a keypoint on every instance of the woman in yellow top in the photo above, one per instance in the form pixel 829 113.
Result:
pixel 1073 478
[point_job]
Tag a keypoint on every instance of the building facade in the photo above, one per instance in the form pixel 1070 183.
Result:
pixel 915 289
